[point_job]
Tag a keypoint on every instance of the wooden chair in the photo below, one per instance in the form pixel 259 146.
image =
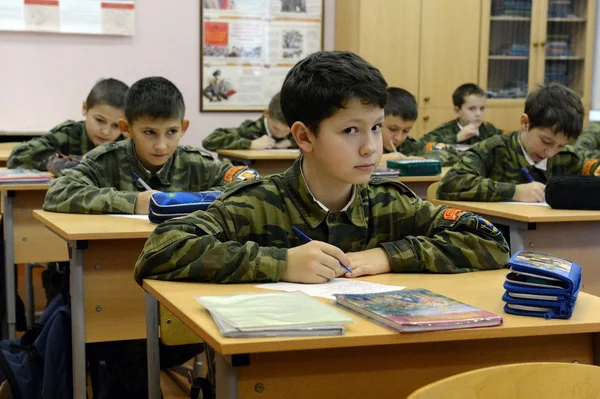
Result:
pixel 432 191
pixel 523 380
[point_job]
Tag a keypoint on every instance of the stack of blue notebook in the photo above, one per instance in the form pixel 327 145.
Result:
pixel 541 285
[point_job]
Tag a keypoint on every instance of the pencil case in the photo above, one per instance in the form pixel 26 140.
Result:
pixel 428 167
pixel 573 192
pixel 165 206
pixel 541 285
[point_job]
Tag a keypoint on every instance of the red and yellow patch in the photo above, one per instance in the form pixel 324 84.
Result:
pixel 597 171
pixel 586 170
pixel 451 214
pixel 230 174
pixel 429 146
pixel 506 132
pixel 247 175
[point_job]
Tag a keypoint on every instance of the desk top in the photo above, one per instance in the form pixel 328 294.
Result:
pixel 523 213
pixel 481 289
pixel 73 227
pixel 261 154
pixel 6 149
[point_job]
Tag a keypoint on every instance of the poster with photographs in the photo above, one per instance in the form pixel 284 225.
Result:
pixel 248 46
pixel 98 17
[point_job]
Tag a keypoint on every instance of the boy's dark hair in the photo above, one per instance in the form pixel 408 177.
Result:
pixel 401 103
pixel 275 111
pixel 107 92
pixel 155 97
pixel 462 91
pixel 557 107
pixel 323 82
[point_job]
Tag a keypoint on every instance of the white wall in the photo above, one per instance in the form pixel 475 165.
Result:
pixel 45 77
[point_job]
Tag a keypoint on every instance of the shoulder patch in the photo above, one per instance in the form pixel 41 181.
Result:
pixel 230 174
pixel 248 174
pixel 432 146
pixel 380 181
pixel 587 167
pixel 486 227
pixel 452 214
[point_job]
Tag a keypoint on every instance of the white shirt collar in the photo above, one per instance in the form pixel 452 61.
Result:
pixel 319 202
pixel 542 165
pixel 267 127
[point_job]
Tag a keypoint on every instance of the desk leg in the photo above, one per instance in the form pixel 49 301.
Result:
pixel 9 264
pixel 152 347
pixel 77 322
pixel 226 378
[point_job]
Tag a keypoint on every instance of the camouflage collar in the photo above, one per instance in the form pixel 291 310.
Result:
pixel 312 213
pixel 162 174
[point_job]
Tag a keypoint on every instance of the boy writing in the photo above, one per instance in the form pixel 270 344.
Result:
pixel 370 225
pixel 491 170
pixel 102 109
pixel 401 112
pixel 154 123
pixel 269 131
pixel 468 128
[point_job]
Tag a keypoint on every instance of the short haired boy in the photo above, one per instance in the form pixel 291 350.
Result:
pixel 491 170
pixel 401 112
pixel 269 131
pixel 468 128
pixel 154 123
pixel 102 109
pixel 334 102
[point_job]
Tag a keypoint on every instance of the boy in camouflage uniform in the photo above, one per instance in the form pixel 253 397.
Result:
pixel 491 170
pixel 589 139
pixel 269 131
pixel 66 143
pixel 401 112
pixel 370 225
pixel 468 128
pixel 103 182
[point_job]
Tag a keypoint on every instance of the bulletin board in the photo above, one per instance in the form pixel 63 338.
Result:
pixel 102 17
pixel 248 46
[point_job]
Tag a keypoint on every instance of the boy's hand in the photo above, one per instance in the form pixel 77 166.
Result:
pixel 314 262
pixel 467 132
pixel 530 192
pixel 369 262
pixel 262 143
pixel 142 202
pixel 283 144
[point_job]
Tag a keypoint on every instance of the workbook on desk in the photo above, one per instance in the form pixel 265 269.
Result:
pixel 274 314
pixel 22 176
pixel 418 310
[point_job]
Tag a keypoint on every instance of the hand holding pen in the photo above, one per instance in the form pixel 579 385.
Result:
pixel 529 192
pixel 142 202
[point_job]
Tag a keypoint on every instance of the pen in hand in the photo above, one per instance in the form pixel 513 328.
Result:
pixel 393 146
pixel 143 183
pixel 308 239
pixel 527 175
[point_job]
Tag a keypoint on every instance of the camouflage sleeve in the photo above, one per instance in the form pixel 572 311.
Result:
pixel 447 240
pixel 35 153
pixel 441 134
pixel 85 189
pixel 468 181
pixel 589 139
pixel 412 147
pixel 203 247
pixel 238 138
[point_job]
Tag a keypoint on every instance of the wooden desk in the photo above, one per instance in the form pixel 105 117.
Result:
pixel 573 235
pixel 5 150
pixel 371 361
pixel 25 239
pixel 420 184
pixel 266 162
pixel 112 308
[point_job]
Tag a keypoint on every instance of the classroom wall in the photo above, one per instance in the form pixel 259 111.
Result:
pixel 595 112
pixel 45 77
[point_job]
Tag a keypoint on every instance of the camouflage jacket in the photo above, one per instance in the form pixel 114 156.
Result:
pixel 244 235
pixel 490 170
pixel 589 139
pixel 239 138
pixel 440 151
pixel 68 138
pixel 447 132
pixel 103 182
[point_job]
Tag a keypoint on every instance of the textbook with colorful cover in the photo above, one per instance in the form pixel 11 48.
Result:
pixel 274 314
pixel 541 285
pixel 22 176
pixel 418 310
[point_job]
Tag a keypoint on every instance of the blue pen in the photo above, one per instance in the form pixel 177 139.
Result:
pixel 308 239
pixel 527 175
pixel 143 183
